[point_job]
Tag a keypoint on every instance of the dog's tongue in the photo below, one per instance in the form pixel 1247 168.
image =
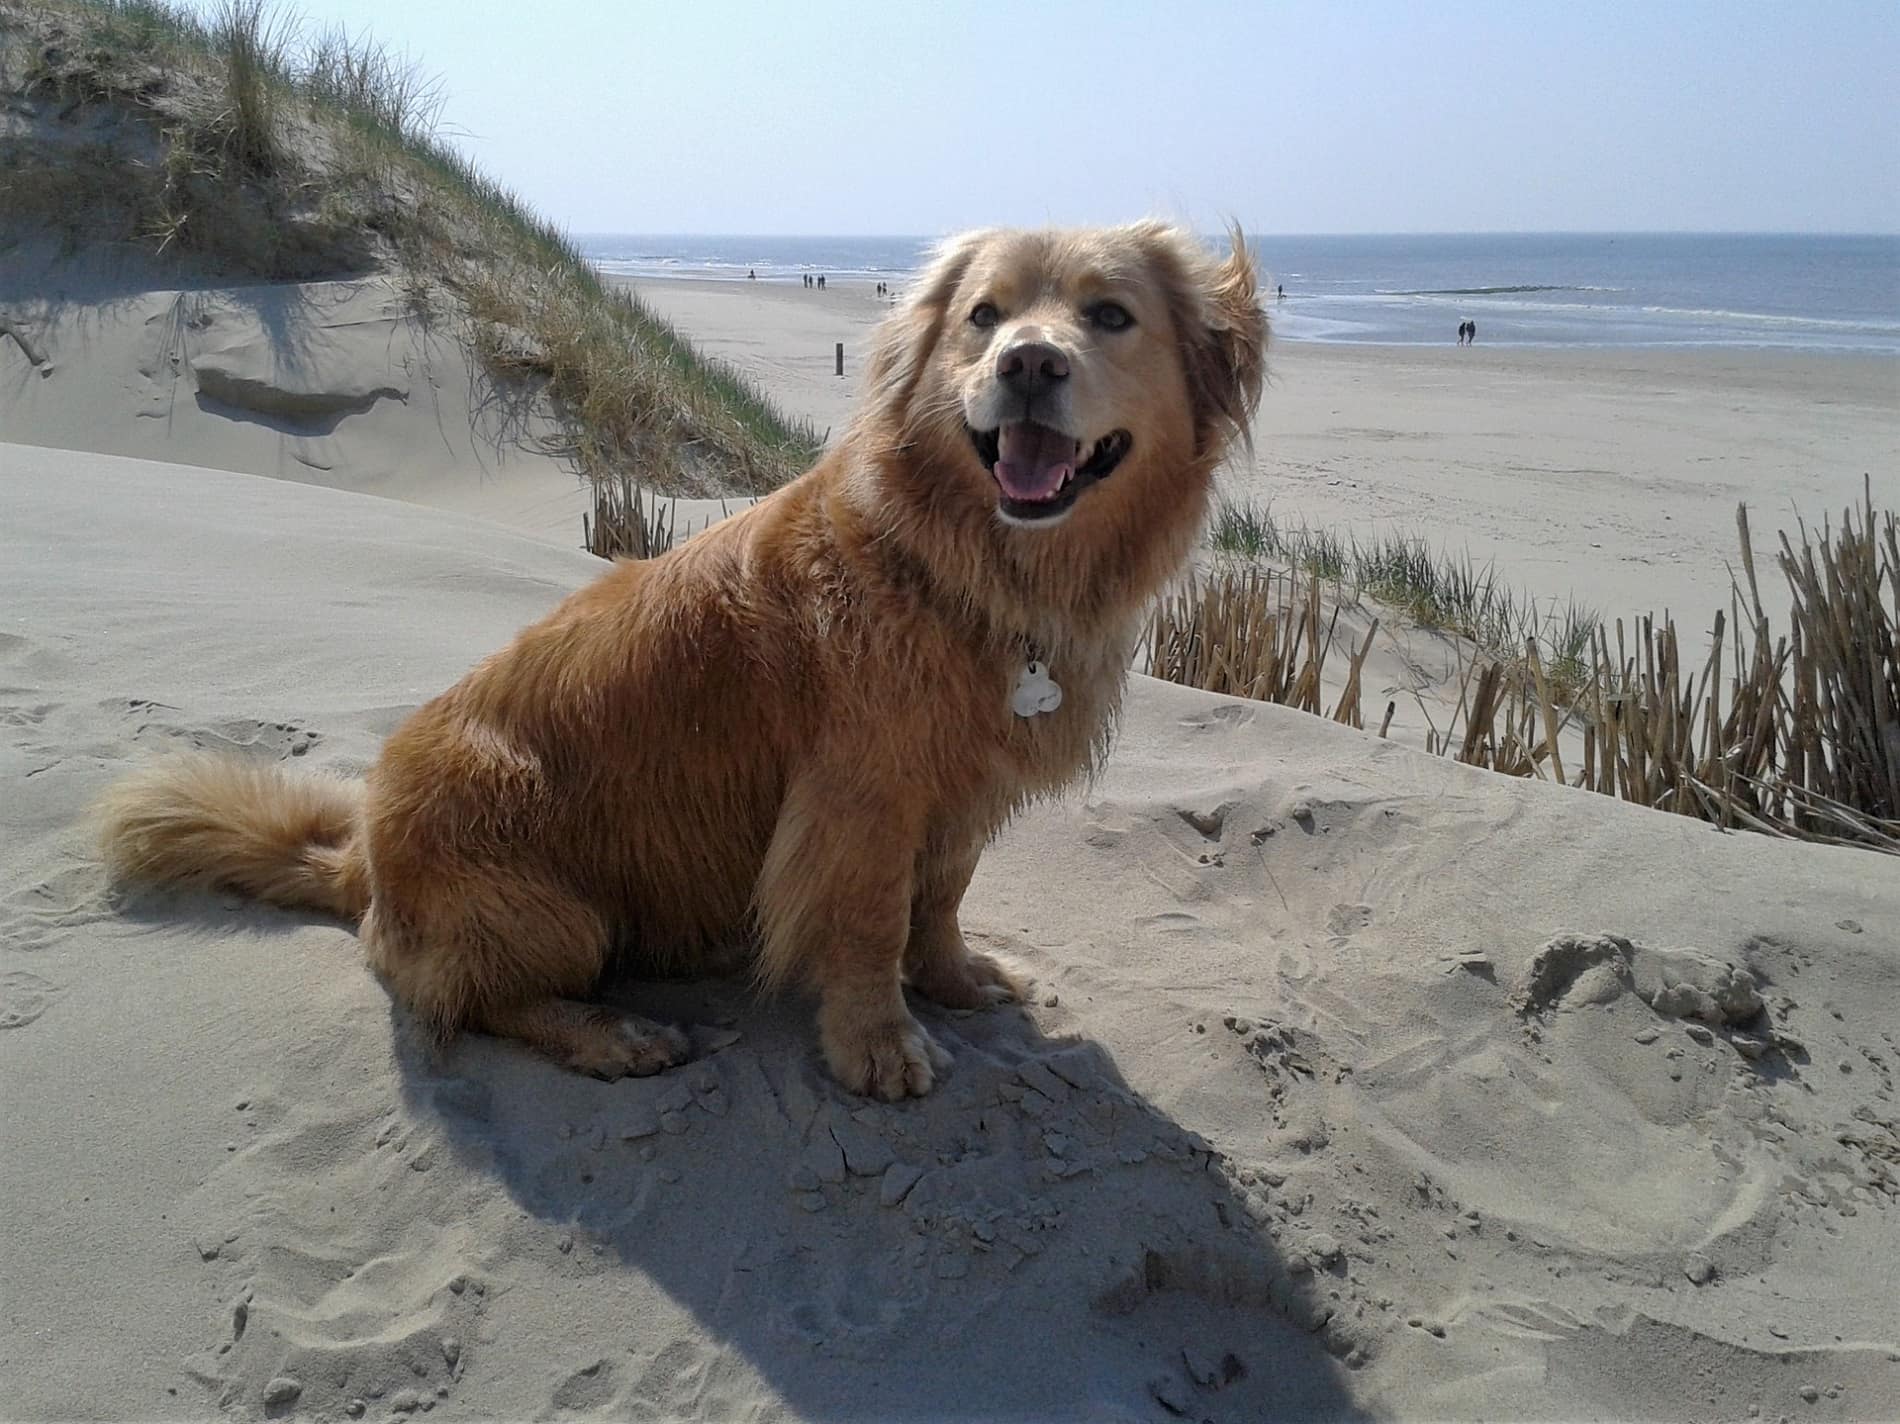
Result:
pixel 1032 461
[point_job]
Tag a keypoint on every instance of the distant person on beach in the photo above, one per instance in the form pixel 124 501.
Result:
pixel 1471 333
pixel 1280 291
pixel 752 274
pixel 1464 328
pixel 821 281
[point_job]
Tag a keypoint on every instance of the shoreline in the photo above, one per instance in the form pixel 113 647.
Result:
pixel 861 284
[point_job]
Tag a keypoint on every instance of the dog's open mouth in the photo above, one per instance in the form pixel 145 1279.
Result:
pixel 1040 472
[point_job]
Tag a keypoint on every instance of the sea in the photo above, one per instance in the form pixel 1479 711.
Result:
pixel 1614 290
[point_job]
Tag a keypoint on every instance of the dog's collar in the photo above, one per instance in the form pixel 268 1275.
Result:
pixel 1035 691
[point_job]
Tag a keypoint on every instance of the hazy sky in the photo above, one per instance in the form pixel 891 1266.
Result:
pixel 908 116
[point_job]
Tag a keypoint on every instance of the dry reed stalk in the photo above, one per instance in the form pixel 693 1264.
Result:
pixel 1792 735
pixel 1254 633
pixel 1550 712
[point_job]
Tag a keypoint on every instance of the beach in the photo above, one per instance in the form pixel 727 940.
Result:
pixel 1350 1080
pixel 1355 1083
pixel 1605 477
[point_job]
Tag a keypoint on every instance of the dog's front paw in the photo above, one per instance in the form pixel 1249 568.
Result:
pixel 887 1058
pixel 968 979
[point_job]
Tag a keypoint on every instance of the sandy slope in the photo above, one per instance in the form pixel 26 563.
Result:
pixel 1294 1126
pixel 343 383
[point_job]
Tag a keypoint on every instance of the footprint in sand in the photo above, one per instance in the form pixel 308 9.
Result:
pixel 24 997
pixel 1345 920
pixel 589 1387
pixel 29 715
pixel 31 916
pixel 240 734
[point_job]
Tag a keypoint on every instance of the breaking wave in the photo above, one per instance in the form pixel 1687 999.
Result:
pixel 1496 291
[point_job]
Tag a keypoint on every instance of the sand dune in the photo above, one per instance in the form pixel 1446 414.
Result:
pixel 1357 1083
pixel 346 383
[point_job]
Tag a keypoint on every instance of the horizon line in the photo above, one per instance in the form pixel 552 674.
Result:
pixel 1262 233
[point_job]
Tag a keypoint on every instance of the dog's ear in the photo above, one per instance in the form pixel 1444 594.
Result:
pixel 906 338
pixel 1235 359
pixel 1223 334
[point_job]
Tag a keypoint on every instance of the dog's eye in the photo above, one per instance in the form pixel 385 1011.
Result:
pixel 1110 316
pixel 985 315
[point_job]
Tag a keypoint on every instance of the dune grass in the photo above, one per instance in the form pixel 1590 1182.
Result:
pixel 1427 588
pixel 1801 737
pixel 239 141
pixel 1793 734
pixel 1254 632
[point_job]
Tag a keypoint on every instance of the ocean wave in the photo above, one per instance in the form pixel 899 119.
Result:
pixel 1776 319
pixel 1497 291
pixel 1623 312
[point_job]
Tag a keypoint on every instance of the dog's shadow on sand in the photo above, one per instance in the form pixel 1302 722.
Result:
pixel 1031 1241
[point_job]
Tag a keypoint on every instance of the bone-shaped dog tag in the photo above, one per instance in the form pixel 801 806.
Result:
pixel 1035 691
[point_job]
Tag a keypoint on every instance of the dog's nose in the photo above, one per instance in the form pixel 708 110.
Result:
pixel 1031 367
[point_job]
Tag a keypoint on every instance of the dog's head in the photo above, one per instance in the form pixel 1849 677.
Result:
pixel 1042 374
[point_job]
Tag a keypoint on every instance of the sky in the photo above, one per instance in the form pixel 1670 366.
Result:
pixel 919 117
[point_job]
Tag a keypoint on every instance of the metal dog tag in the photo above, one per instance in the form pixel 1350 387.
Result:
pixel 1035 691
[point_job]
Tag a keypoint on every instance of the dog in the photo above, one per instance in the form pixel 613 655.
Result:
pixel 797 731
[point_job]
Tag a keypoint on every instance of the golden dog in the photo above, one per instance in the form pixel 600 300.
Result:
pixel 799 729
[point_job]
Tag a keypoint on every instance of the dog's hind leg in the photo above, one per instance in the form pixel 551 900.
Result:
pixel 507 954
pixel 590 1038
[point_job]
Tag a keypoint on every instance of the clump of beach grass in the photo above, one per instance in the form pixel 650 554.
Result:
pixel 254 44
pixel 1257 633
pixel 1793 734
pixel 243 146
pixel 1426 587
pixel 1806 743
pixel 623 525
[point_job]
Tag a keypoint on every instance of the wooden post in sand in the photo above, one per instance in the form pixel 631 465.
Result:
pixel 840 358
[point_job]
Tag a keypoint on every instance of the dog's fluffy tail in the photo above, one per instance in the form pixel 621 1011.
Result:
pixel 207 820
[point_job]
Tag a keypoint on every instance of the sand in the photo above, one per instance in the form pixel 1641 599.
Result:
pixel 1355 1084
